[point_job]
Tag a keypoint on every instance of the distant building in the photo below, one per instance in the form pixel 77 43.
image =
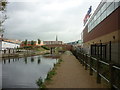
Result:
pixel 9 43
pixel 41 43
pixel 52 42
pixel 76 43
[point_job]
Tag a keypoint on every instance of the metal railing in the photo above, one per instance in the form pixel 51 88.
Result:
pixel 106 70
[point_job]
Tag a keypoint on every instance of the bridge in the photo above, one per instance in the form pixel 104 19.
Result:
pixel 64 46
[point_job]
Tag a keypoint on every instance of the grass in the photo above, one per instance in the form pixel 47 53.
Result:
pixel 49 75
pixel 53 71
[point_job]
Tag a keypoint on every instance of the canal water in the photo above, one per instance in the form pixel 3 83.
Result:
pixel 24 72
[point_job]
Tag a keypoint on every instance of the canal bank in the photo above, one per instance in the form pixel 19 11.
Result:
pixel 71 74
pixel 23 53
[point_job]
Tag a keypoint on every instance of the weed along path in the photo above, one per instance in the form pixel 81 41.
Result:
pixel 71 74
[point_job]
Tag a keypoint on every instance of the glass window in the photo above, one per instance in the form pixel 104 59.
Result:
pixel 98 14
pixel 103 8
pixel 110 9
pixel 116 4
pixel 93 24
pixel 108 3
pixel 119 3
pixel 98 20
pixel 102 17
pixel 95 17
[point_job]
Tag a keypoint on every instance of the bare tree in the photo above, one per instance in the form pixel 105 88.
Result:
pixel 3 16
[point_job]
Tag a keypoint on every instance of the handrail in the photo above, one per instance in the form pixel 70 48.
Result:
pixel 94 58
pixel 104 77
pixel 104 62
pixel 116 67
pixel 97 70
pixel 94 69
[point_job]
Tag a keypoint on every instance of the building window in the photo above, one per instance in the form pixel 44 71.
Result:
pixel 116 4
pixel 103 8
pixel 103 16
pixel 108 3
pixel 110 9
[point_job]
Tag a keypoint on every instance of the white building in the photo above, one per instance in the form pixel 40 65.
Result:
pixel 7 44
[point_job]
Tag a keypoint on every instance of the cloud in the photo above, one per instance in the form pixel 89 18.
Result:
pixel 46 19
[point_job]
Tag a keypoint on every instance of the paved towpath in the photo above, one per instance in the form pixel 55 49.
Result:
pixel 71 74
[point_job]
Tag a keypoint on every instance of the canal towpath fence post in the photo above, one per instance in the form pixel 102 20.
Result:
pixel 97 56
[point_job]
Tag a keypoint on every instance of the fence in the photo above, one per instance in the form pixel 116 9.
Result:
pixel 106 70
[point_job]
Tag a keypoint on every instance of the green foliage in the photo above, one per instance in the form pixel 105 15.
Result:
pixel 32 43
pixel 25 42
pixel 39 41
pixel 59 61
pixel 39 82
pixel 27 47
pixel 53 72
pixel 45 47
pixel 50 74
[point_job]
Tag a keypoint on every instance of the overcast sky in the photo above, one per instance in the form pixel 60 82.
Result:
pixel 44 19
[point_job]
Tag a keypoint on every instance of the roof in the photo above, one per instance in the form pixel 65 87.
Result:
pixel 11 40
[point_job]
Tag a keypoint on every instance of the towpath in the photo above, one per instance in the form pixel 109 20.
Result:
pixel 71 74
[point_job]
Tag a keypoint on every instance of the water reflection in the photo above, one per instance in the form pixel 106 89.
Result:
pixel 39 60
pixel 4 61
pixel 32 59
pixel 25 60
pixel 22 73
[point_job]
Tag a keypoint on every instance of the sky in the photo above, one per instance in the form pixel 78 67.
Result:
pixel 44 19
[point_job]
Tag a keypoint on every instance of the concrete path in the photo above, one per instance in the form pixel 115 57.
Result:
pixel 71 74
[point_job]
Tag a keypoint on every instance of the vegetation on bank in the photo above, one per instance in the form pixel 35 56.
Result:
pixel 44 47
pixel 49 77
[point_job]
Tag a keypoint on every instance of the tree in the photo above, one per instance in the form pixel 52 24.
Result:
pixel 32 42
pixel 3 4
pixel 39 41
pixel 25 42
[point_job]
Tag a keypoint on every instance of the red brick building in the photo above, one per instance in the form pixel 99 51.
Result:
pixel 103 27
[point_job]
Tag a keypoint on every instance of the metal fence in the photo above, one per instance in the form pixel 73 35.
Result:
pixel 106 70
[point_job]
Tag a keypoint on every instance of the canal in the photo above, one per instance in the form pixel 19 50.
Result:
pixel 24 72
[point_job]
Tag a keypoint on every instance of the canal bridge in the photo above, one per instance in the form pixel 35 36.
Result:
pixel 53 46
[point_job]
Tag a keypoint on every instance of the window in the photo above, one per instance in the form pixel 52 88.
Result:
pixel 108 3
pixel 116 4
pixel 98 14
pixel 95 17
pixel 110 9
pixel 104 15
pixel 103 8
pixel 99 20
